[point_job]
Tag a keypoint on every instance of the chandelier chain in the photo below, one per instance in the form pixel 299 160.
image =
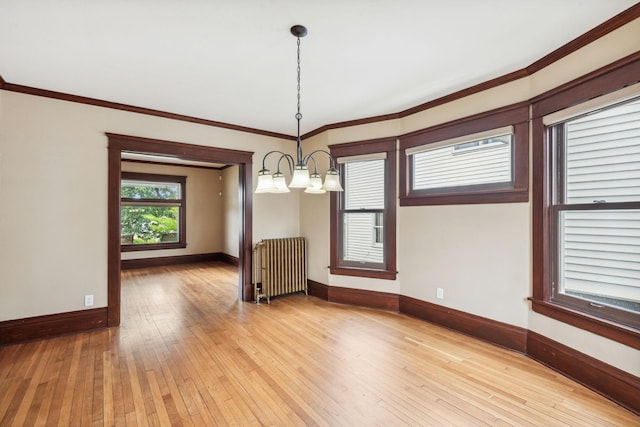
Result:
pixel 298 115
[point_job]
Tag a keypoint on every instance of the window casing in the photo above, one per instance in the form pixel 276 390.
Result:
pixel 595 213
pixel 479 159
pixel 363 225
pixel 586 210
pixel 152 212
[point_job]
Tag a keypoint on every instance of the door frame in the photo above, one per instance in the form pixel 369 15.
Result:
pixel 134 144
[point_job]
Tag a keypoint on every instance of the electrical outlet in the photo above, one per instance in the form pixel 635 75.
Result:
pixel 88 300
pixel 440 293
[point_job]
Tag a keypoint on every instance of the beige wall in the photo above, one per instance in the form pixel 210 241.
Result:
pixel 53 188
pixel 230 211
pixel 205 222
pixel 479 254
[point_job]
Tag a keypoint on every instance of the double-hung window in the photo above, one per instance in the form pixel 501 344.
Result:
pixel 362 211
pixel 363 215
pixel 586 204
pixel 595 212
pixel 479 159
pixel 152 211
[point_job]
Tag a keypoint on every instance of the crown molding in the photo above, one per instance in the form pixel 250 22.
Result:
pixel 579 42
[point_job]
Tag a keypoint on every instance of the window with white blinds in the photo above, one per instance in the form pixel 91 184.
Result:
pixel 596 210
pixel 482 158
pixel 364 200
pixel 469 163
pixel 363 216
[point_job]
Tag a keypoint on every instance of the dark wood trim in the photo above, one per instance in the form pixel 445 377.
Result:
pixel 363 298
pixel 590 36
pixel 498 333
pixel 119 143
pixel 113 236
pixel 617 75
pixel 607 380
pixel 139 247
pixel 144 176
pixel 601 30
pixel 499 117
pixel 369 146
pixel 173 165
pixel 349 123
pixel 229 259
pixel 476 197
pixel 128 264
pixel 140 110
pixel 608 79
pixel 540 198
pixel 516 115
pixel 489 84
pixel 567 49
pixel 179 150
pixel 364 272
pixel 182 222
pixel 51 325
pixel 318 290
pixel 582 320
pixel 245 195
pixel 388 270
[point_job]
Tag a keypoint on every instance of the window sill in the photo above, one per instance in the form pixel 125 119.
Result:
pixel 364 272
pixel 506 196
pixel 152 247
pixel 620 333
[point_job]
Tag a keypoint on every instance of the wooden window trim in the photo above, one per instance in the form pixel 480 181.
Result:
pixel 616 76
pixel 388 272
pixel 182 202
pixel 516 115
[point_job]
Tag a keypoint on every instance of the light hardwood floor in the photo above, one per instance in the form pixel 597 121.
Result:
pixel 188 353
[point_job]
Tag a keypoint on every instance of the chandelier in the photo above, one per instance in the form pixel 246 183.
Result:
pixel 299 167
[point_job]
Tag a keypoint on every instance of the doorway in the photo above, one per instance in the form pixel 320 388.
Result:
pixel 133 144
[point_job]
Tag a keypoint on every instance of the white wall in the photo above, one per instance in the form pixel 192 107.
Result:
pixel 205 227
pixel 53 190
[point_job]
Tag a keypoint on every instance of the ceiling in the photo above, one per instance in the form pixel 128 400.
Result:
pixel 235 61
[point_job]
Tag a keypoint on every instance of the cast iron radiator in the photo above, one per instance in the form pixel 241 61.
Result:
pixel 279 267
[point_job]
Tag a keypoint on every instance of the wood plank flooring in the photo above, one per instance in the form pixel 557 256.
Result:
pixel 188 353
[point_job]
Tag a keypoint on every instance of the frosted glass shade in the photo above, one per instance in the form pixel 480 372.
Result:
pixel 332 181
pixel 279 183
pixel 300 177
pixel 265 182
pixel 316 185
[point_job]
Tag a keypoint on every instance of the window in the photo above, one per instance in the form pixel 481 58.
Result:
pixel 363 225
pixel 595 213
pixel 363 203
pixel 480 159
pixel 483 162
pixel 152 211
pixel 378 229
pixel 586 203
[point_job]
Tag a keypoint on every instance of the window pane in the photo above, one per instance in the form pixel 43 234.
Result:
pixel 484 161
pixel 600 256
pixel 364 184
pixel 149 224
pixel 359 238
pixel 378 229
pixel 603 155
pixel 150 190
